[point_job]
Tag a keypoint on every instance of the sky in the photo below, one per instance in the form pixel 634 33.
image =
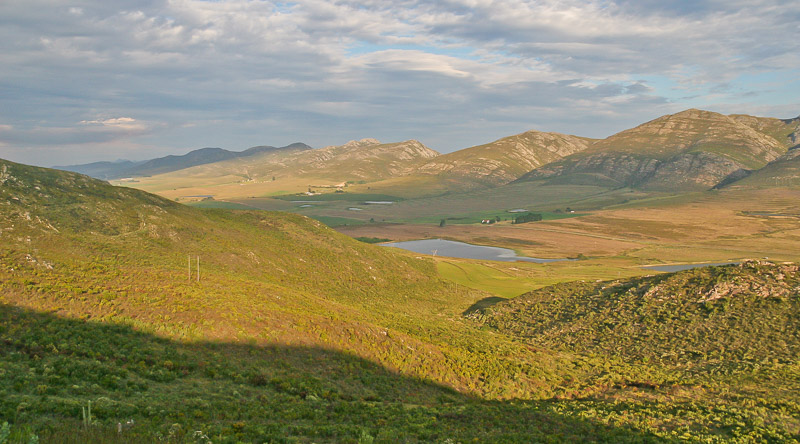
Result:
pixel 92 80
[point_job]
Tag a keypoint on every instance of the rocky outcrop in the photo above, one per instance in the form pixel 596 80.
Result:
pixel 691 150
pixel 366 159
pixel 506 159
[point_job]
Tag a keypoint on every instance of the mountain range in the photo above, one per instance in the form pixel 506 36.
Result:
pixel 689 150
pixel 161 165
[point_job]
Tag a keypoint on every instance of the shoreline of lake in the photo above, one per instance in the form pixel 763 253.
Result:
pixel 463 250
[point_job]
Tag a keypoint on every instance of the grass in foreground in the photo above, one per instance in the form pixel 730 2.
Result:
pixel 298 334
pixel 182 392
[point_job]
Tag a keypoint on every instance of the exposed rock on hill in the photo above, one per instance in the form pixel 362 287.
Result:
pixel 506 159
pixel 365 158
pixel 731 315
pixel 785 131
pixel 690 150
pixel 783 171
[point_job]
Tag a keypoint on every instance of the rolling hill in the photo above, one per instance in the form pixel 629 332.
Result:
pixel 105 279
pixel 783 171
pixel 292 332
pixel 292 172
pixel 120 169
pixel 785 131
pixel 699 320
pixel 504 160
pixel 690 150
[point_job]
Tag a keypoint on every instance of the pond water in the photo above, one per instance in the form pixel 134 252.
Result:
pixel 681 267
pixel 447 248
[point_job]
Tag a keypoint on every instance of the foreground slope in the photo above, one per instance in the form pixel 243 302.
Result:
pixel 296 333
pixel 79 247
pixel 690 150
pixel 705 320
pixel 97 275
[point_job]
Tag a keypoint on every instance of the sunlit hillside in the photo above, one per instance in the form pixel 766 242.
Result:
pixel 691 150
pixel 128 317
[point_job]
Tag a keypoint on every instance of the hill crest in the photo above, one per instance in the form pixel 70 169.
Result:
pixel 690 150
pixel 505 159
pixel 166 164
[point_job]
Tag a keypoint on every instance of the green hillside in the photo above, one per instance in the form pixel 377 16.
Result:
pixel 85 257
pixel 705 321
pixel 783 171
pixel 504 160
pixel 286 172
pixel 77 246
pixel 731 334
pixel 691 150
pixel 785 131
pixel 295 333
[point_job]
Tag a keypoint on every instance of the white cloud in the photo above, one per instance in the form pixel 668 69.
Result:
pixel 316 70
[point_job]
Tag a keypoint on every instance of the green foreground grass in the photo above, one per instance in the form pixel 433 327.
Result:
pixel 296 333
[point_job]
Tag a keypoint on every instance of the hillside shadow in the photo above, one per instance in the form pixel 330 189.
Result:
pixel 177 392
pixel 483 303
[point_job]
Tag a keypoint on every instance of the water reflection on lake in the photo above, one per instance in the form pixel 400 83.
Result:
pixel 447 248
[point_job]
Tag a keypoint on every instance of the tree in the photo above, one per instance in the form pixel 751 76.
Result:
pixel 527 217
pixel 442 223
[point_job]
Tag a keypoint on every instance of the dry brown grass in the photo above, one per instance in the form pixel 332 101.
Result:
pixel 712 226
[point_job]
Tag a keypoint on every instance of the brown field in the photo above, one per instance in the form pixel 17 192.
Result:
pixel 713 226
pixel 536 240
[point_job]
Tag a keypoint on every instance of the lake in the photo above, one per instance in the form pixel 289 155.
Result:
pixel 681 267
pixel 447 248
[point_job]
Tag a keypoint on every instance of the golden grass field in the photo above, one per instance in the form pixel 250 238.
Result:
pixel 700 227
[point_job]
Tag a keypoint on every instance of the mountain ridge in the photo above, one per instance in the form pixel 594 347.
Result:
pixel 690 150
pixel 505 159
pixel 169 163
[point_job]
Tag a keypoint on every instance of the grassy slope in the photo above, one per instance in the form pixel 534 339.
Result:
pixel 503 160
pixel 294 333
pixel 291 172
pixel 700 321
pixel 689 150
pixel 785 171
pixel 247 393
pixel 121 255
pixel 731 332
pixel 83 250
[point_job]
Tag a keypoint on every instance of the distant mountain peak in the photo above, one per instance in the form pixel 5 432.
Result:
pixel 692 149
pixel 166 164
pixel 363 142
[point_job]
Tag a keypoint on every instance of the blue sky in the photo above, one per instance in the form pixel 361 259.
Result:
pixel 89 80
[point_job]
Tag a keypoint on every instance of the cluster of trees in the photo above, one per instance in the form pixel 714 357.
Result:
pixel 527 217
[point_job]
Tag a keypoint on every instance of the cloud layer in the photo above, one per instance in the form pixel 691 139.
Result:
pixel 91 80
